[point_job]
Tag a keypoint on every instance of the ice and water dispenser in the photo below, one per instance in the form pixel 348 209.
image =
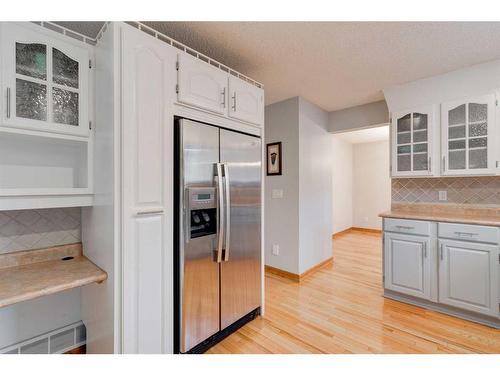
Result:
pixel 202 211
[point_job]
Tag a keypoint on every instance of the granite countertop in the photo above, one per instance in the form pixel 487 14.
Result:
pixel 25 275
pixel 446 213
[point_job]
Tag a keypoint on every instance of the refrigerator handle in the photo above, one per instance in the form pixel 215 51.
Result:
pixel 220 211
pixel 228 212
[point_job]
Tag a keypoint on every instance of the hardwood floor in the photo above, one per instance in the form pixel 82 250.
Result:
pixel 340 309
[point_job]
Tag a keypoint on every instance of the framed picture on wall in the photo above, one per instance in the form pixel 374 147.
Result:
pixel 274 159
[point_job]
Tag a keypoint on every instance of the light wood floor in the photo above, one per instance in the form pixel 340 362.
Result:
pixel 340 309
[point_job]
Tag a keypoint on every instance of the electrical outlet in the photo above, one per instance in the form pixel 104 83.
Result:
pixel 443 195
pixel 276 249
pixel 277 193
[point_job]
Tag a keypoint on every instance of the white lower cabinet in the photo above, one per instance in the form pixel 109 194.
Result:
pixel 462 271
pixel 407 264
pixel 468 276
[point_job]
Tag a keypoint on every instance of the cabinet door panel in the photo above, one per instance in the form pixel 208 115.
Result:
pixel 201 85
pixel 407 264
pixel 46 81
pixel 413 147
pixel 468 134
pixel 147 157
pixel 468 276
pixel 246 101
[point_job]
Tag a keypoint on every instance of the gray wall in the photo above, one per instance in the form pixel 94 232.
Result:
pixel 300 222
pixel 282 215
pixel 315 186
pixel 361 116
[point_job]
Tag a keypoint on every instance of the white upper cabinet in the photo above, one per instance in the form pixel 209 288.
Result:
pixel 468 136
pixel 45 82
pixel 413 142
pixel 201 85
pixel 246 101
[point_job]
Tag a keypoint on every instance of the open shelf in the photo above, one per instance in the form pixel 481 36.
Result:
pixel 30 274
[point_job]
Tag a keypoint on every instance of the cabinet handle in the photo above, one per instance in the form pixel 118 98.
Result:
pixel 404 227
pixel 8 102
pixel 430 165
pixel 425 249
pixel 224 98
pixel 444 163
pixel 234 102
pixel 151 211
pixel 441 252
pixel 460 234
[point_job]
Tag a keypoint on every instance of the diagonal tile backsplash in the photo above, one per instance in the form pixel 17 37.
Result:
pixel 461 190
pixel 33 229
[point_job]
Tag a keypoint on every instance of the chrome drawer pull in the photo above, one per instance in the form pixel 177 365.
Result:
pixel 466 234
pixel 149 212
pixel 404 227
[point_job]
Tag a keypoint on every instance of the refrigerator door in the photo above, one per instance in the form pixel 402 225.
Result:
pixel 241 267
pixel 199 272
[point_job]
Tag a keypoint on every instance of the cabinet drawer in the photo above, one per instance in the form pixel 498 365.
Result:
pixel 408 226
pixel 476 233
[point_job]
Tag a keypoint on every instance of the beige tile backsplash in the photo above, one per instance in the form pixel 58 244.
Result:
pixel 460 190
pixel 34 229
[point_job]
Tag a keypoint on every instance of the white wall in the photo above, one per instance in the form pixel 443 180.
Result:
pixel 342 178
pixel 315 186
pixel 475 80
pixel 282 215
pixel 371 184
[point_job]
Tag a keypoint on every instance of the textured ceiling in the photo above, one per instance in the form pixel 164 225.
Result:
pixel 338 64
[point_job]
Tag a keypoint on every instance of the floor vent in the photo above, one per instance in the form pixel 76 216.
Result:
pixel 54 342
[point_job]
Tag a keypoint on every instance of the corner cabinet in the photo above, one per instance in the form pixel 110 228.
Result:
pixel 46 144
pixel 45 82
pixel 468 133
pixel 414 143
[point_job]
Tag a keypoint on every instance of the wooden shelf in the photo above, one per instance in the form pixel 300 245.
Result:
pixel 26 275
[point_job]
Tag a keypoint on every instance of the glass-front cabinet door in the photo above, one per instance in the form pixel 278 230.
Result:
pixel 412 142
pixel 468 129
pixel 45 82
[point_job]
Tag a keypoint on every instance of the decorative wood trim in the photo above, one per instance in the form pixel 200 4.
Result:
pixel 282 273
pixel 366 230
pixel 341 233
pixel 315 268
pixel 295 277
pixel 356 229
pixel 80 350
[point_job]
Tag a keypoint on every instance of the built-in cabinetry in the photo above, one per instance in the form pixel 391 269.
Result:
pixel 147 164
pixel 468 130
pixel 462 142
pixel 45 133
pixel 451 265
pixel 143 82
pixel 203 86
pixel 414 142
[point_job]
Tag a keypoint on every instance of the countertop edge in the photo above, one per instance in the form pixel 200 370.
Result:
pixel 447 219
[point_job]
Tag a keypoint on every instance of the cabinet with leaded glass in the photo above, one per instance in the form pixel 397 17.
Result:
pixel 468 136
pixel 413 142
pixel 45 82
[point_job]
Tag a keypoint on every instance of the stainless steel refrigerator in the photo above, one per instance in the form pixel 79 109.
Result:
pixel 218 242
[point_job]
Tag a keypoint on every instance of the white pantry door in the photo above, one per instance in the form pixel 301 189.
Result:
pixel 147 68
